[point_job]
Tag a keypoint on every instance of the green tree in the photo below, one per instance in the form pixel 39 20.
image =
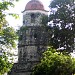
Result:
pixel 62 24
pixel 55 63
pixel 7 36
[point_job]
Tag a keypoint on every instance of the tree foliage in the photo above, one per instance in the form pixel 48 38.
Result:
pixel 62 24
pixel 55 63
pixel 4 64
pixel 44 20
pixel 7 36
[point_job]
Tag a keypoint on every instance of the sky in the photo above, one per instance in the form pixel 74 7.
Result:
pixel 19 7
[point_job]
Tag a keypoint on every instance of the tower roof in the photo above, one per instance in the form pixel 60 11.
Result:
pixel 34 5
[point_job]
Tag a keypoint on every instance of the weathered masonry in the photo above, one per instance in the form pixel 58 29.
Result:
pixel 33 38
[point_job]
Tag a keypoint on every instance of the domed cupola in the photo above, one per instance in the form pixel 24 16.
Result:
pixel 33 13
pixel 34 5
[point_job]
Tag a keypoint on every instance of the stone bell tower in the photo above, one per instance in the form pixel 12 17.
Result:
pixel 32 38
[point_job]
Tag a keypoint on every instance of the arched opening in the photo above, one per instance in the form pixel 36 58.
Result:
pixel 32 18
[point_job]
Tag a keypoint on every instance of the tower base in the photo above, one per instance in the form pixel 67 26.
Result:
pixel 23 68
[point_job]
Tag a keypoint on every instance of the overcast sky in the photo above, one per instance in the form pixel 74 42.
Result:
pixel 19 7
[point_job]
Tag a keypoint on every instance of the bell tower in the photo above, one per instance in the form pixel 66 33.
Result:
pixel 32 38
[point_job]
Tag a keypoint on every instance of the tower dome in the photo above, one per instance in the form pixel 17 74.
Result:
pixel 34 5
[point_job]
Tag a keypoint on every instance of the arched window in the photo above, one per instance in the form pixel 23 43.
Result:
pixel 35 35
pixel 32 18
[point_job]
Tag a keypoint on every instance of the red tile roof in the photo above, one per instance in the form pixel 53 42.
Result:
pixel 34 5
